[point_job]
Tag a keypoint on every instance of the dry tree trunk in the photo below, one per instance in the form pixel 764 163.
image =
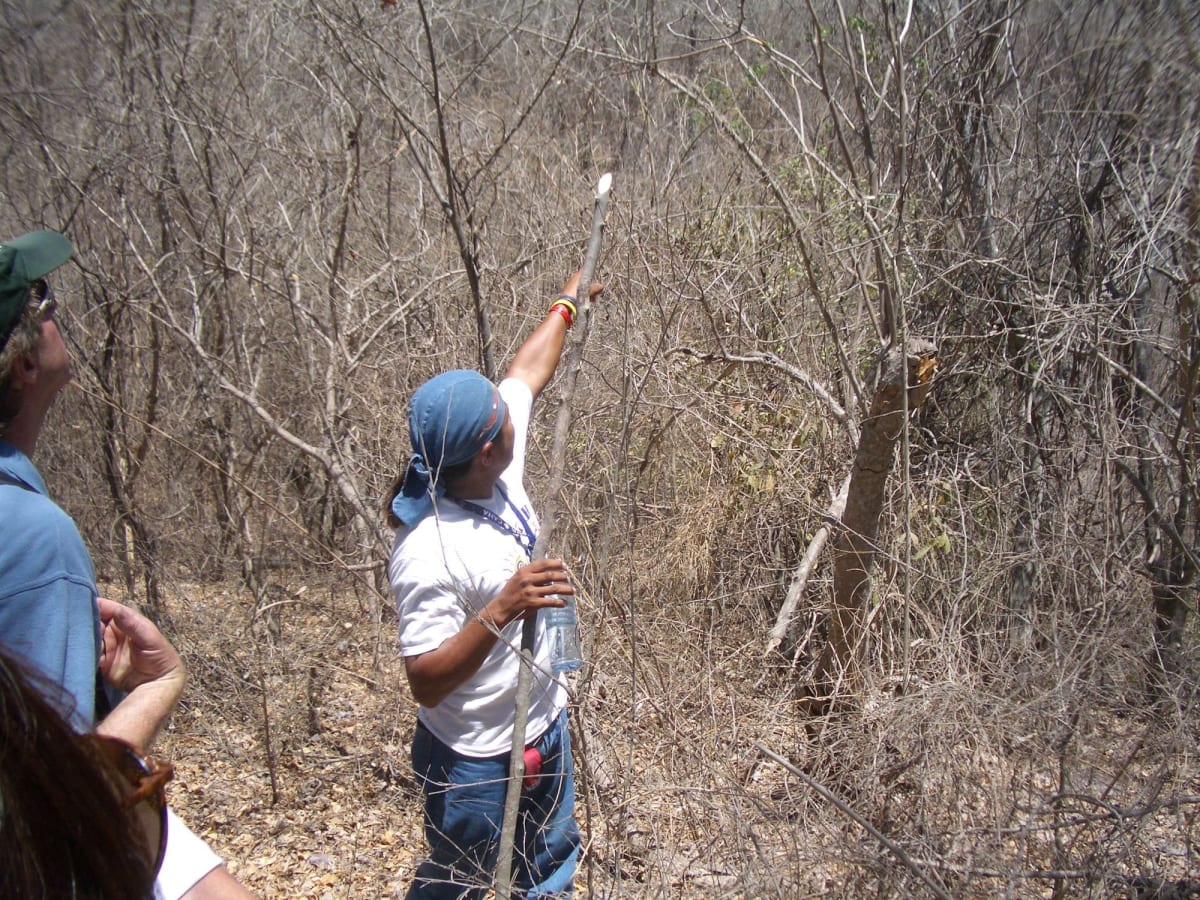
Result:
pixel 855 547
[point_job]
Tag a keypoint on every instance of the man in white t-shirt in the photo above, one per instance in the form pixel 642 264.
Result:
pixel 461 573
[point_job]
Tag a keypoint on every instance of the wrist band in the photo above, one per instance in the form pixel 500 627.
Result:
pixel 565 305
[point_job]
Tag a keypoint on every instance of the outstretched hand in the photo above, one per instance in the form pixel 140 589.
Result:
pixel 537 358
pixel 571 288
pixel 133 651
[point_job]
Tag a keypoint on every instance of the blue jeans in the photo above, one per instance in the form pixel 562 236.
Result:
pixel 464 810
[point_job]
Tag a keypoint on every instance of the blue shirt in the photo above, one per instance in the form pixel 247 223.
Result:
pixel 48 612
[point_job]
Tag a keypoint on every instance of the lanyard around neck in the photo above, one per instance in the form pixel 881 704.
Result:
pixel 524 536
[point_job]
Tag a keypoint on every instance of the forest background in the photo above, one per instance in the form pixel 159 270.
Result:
pixel 288 213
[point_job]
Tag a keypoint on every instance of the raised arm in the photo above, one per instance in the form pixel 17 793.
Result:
pixel 137 659
pixel 538 357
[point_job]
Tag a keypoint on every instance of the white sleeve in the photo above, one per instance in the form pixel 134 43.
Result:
pixel 519 398
pixel 186 861
pixel 429 614
pixel 428 610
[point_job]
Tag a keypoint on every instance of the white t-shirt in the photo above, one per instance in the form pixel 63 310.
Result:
pixel 443 572
pixel 186 861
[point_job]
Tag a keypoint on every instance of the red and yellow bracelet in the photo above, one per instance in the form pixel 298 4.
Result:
pixel 565 307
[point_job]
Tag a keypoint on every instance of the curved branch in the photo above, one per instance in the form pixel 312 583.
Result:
pixel 769 359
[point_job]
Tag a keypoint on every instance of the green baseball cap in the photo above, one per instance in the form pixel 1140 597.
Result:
pixel 22 261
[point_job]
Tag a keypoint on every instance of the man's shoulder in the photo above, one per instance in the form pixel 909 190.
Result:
pixel 36 512
pixel 451 546
pixel 17 470
pixel 47 547
pixel 515 391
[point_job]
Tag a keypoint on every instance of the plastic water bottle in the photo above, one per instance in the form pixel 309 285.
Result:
pixel 562 629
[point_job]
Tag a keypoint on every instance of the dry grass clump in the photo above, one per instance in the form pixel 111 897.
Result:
pixel 998 772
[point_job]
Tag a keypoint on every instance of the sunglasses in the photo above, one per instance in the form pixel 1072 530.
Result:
pixel 140 782
pixel 42 296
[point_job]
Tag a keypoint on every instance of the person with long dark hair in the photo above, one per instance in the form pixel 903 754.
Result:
pixel 81 816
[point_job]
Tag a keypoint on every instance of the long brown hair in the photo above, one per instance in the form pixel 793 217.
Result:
pixel 63 831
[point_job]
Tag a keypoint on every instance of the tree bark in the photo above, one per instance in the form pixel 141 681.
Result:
pixel 855 548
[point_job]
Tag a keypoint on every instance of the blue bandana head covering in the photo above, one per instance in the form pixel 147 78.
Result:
pixel 451 417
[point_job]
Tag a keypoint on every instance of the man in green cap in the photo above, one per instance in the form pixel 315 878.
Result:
pixel 24 261
pixel 51 614
pixel 26 302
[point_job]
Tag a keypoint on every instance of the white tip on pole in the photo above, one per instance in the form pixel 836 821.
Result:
pixel 604 185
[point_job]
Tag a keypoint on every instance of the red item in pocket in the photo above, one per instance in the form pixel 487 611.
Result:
pixel 533 766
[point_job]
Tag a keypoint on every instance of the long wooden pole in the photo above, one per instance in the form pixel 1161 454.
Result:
pixel 558 453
